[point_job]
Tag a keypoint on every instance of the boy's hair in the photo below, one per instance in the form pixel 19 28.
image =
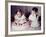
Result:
pixel 35 9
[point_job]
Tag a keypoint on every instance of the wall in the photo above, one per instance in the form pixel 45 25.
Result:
pixel 2 18
pixel 43 35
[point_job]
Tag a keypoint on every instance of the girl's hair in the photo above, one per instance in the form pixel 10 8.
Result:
pixel 19 11
pixel 16 10
pixel 35 9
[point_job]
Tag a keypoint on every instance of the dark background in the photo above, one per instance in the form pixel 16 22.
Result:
pixel 24 9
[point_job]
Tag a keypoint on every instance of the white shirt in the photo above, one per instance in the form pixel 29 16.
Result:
pixel 34 20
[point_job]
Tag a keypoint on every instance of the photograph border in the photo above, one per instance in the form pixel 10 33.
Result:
pixel 6 16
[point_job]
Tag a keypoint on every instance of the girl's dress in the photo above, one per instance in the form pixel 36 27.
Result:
pixel 20 23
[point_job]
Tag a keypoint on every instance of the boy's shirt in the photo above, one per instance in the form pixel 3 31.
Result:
pixel 34 20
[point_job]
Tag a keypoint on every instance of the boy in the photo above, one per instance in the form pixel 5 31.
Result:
pixel 33 18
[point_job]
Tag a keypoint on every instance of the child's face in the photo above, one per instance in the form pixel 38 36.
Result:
pixel 19 13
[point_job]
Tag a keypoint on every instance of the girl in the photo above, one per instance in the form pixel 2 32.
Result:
pixel 20 22
pixel 17 18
